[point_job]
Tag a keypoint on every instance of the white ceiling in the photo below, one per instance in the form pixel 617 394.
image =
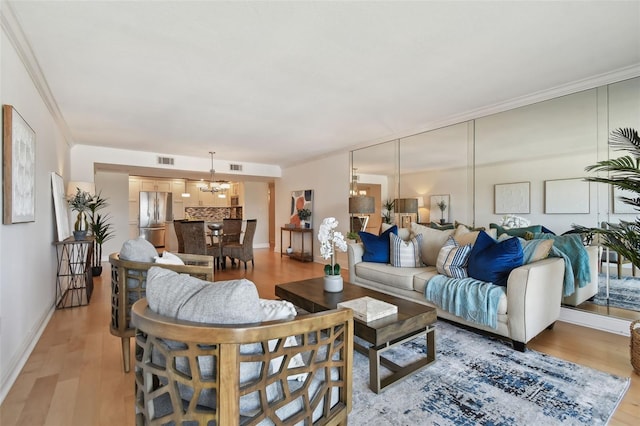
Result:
pixel 280 82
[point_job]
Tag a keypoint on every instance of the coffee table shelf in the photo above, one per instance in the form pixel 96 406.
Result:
pixel 411 321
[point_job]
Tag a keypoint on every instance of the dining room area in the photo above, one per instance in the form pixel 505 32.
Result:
pixel 230 238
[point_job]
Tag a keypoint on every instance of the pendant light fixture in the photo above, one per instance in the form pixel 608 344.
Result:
pixel 215 185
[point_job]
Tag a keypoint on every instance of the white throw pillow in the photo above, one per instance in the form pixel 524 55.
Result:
pixel 405 254
pixel 402 232
pixel 277 310
pixel 432 242
pixel 169 259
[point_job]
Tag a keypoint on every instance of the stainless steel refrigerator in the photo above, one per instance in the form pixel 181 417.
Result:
pixel 155 211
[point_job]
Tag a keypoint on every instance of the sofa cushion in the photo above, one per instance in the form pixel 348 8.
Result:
pixel 387 274
pixel 421 278
pixel 403 233
pixel 493 261
pixel 535 250
pixel 405 254
pixel 516 232
pixel 168 258
pixel 446 226
pixel 465 235
pixel 184 297
pixel 376 247
pixel 452 259
pixel 432 241
pixel 138 250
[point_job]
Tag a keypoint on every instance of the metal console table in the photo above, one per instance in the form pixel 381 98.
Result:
pixel 74 281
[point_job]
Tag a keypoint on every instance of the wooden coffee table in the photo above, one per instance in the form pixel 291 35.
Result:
pixel 412 319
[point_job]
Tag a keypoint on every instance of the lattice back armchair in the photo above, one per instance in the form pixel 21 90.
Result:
pixel 207 374
pixel 128 285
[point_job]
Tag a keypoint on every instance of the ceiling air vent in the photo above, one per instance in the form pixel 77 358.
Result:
pixel 235 167
pixel 167 161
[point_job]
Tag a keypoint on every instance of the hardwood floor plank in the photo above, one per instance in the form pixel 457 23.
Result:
pixel 75 377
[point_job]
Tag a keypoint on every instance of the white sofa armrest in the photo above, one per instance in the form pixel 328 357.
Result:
pixel 534 292
pixel 355 252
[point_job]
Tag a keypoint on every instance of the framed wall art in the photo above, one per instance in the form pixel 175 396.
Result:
pixel 619 206
pixel 512 198
pixel 19 168
pixel 302 200
pixel 566 196
pixel 436 213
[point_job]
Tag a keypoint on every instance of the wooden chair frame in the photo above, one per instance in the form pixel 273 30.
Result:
pixel 128 285
pixel 188 342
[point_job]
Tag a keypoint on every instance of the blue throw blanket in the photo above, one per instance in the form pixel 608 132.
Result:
pixel 468 298
pixel 576 259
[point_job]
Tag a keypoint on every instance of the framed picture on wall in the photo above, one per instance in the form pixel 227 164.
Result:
pixel 19 168
pixel 566 196
pixel 302 208
pixel 619 206
pixel 512 198
pixel 439 208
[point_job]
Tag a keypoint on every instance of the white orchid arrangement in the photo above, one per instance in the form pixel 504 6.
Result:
pixel 330 240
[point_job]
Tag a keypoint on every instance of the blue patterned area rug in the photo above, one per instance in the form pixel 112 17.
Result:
pixel 479 380
pixel 623 293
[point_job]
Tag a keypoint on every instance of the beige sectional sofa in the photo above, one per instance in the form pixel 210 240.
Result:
pixel 531 303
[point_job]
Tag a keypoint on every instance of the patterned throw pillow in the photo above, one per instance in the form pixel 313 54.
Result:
pixel 432 241
pixel 405 254
pixel 452 259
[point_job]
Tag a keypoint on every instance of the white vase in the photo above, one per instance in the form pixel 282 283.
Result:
pixel 333 283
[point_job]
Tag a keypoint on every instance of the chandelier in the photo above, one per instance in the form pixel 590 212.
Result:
pixel 214 185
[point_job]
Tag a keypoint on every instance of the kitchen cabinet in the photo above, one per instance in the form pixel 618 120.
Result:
pixel 178 187
pixel 155 185
pixel 203 199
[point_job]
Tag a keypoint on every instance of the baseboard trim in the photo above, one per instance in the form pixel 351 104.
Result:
pixel 18 363
pixel 595 321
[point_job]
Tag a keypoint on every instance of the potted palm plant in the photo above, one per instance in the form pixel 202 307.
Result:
pixel 623 173
pixel 101 229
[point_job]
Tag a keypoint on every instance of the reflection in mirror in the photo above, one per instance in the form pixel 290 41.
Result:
pixel 376 174
pixel 551 141
pixel 439 162
pixel 619 283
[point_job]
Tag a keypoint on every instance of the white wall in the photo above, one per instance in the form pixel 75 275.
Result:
pixel 329 179
pixel 256 199
pixel 111 186
pixel 28 270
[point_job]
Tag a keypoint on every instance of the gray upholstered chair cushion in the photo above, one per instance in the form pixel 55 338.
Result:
pixel 184 297
pixel 138 250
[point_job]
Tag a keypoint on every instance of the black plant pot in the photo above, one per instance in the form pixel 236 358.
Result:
pixel 96 271
pixel 442 222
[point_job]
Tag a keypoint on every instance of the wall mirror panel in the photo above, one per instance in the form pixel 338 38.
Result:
pixel 375 169
pixel 439 163
pixel 546 144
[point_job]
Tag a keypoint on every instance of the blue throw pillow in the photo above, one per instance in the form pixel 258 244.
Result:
pixel 376 247
pixel 493 261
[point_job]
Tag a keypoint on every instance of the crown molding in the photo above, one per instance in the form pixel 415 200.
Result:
pixel 19 41
pixel 592 82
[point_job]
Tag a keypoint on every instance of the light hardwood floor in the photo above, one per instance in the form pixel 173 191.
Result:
pixel 74 375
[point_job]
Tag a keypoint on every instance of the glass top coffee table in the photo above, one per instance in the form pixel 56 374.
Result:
pixel 412 319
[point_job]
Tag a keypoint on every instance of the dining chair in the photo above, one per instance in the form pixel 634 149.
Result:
pixel 243 251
